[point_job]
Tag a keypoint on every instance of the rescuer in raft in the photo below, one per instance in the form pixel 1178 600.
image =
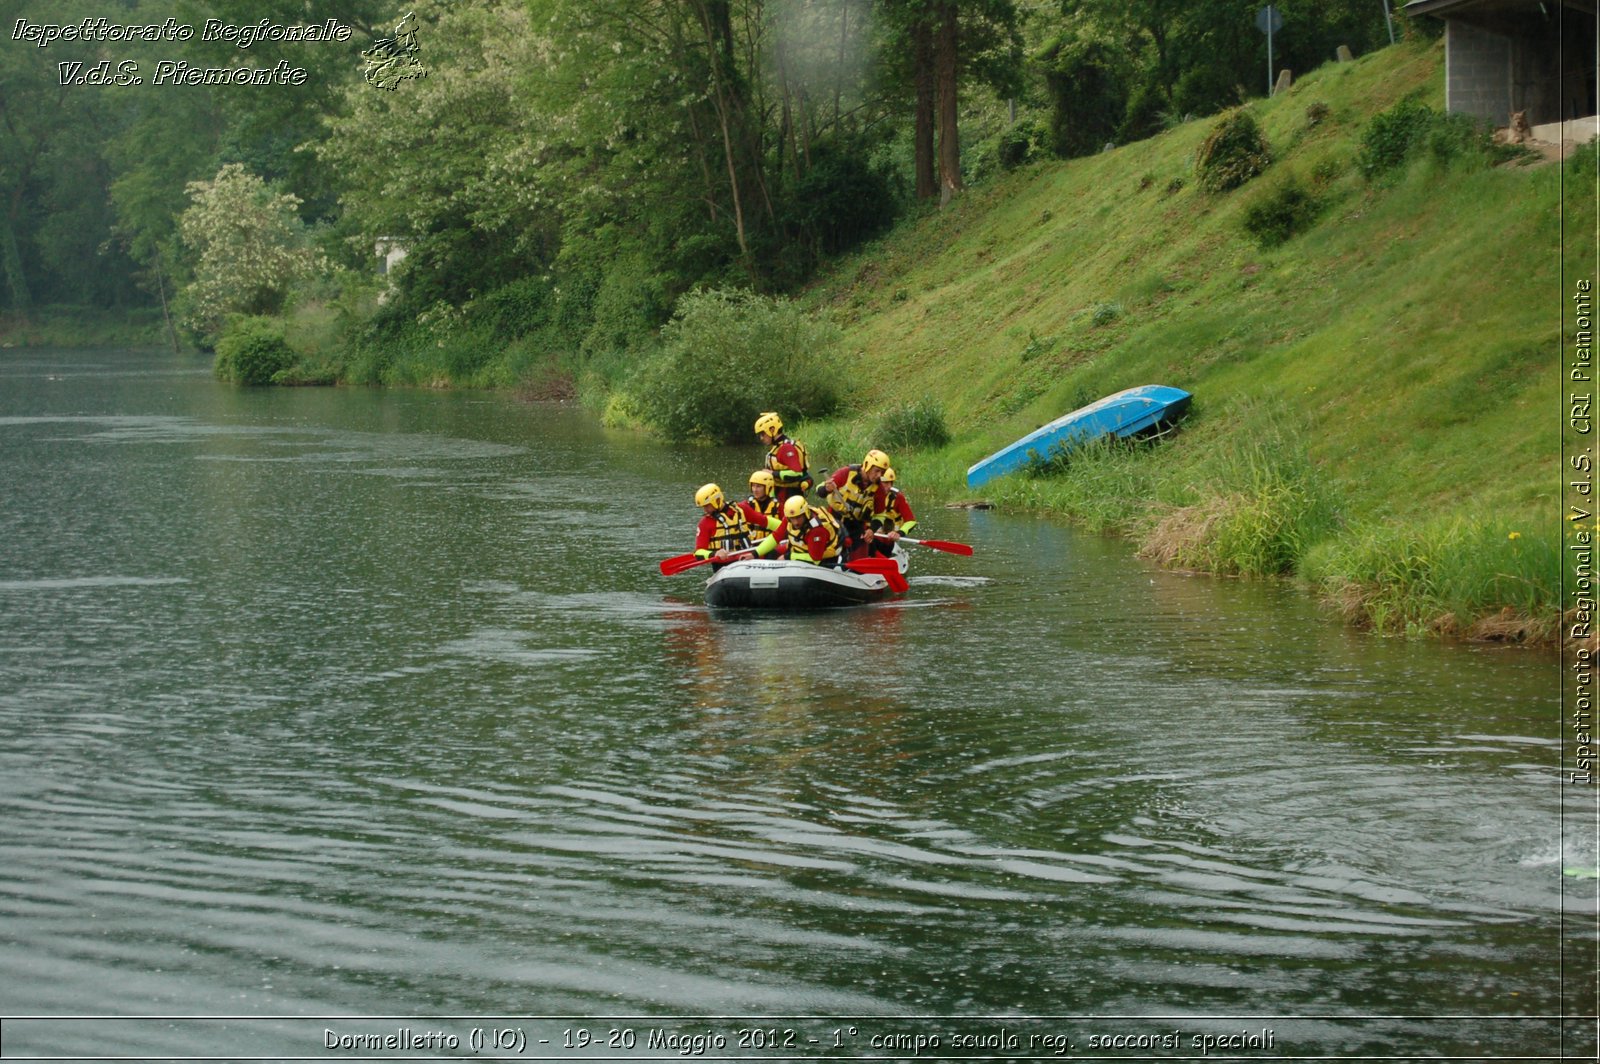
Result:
pixel 812 533
pixel 763 501
pixel 723 531
pixel 786 458
pixel 891 515
pixel 852 494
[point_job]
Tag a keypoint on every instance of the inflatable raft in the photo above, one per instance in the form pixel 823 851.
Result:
pixel 780 584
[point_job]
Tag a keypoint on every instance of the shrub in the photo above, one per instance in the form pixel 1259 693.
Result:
pixel 727 355
pixel 918 424
pixel 1235 152
pixel 1392 135
pixel 839 201
pixel 1409 127
pixel 1289 209
pixel 1105 314
pixel 252 351
pixel 1018 144
pixel 515 309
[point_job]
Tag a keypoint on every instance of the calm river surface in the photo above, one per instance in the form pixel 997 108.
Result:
pixel 334 717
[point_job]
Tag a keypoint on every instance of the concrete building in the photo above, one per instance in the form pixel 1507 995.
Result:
pixel 1538 57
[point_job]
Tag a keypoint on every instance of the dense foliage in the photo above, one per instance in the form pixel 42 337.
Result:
pixel 728 352
pixel 561 172
pixel 252 350
pixel 248 248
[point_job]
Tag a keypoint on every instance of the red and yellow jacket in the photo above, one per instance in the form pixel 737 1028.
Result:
pixel 849 497
pixel 728 529
pixel 757 511
pixel 814 537
pixel 790 468
pixel 891 512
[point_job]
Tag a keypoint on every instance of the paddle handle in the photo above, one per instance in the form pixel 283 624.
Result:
pixel 685 562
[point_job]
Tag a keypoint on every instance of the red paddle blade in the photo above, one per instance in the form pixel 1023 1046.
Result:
pixel 945 545
pixel 887 568
pixel 674 566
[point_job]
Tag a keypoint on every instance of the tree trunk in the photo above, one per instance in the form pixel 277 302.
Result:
pixel 11 259
pixel 947 63
pixel 838 70
pixel 922 60
pixel 717 27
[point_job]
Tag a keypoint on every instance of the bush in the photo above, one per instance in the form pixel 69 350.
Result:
pixel 1018 144
pixel 1235 152
pixel 1289 209
pixel 1088 97
pixel 1392 135
pixel 252 351
pixel 1408 127
pixel 727 355
pixel 918 424
pixel 1105 313
pixel 840 201
pixel 515 309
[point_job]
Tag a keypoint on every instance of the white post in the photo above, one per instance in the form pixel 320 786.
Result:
pixel 1269 56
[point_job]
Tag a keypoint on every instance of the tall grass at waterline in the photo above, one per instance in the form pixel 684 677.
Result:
pixel 1477 577
pixel 1243 504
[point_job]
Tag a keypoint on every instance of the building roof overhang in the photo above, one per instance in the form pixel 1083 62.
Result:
pixel 1444 8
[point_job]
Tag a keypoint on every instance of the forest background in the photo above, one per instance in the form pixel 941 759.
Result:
pixel 644 203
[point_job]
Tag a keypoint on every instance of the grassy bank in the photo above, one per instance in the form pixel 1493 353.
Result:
pixel 68 326
pixel 1376 396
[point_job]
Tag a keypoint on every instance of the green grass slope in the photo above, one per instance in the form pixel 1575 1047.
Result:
pixel 1380 388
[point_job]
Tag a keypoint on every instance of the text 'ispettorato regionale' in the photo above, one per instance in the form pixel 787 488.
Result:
pixel 177 72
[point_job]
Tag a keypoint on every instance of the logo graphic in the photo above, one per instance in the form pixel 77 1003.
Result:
pixel 392 60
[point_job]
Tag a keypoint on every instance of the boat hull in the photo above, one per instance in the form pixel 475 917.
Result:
pixel 1127 413
pixel 761 584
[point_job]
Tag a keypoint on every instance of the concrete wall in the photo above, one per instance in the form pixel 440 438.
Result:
pixel 1477 72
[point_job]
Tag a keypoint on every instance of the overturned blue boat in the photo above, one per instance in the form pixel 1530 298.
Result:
pixel 1150 408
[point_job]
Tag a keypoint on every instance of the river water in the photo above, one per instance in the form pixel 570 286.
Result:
pixel 345 723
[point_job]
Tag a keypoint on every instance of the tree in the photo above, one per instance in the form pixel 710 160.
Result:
pixel 941 44
pixel 249 248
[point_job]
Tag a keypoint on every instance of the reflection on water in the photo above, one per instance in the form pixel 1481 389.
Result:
pixel 339 702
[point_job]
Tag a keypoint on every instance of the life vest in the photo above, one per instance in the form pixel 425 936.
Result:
pixel 892 513
pixel 854 500
pixel 817 538
pixel 756 511
pixel 726 529
pixel 790 467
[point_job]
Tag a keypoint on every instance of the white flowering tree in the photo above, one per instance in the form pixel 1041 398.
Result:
pixel 248 247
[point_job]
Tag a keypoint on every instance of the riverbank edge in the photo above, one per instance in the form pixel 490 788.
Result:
pixel 64 327
pixel 1303 533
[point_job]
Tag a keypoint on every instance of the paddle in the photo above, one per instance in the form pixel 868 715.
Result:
pixel 676 565
pixel 887 568
pixel 940 544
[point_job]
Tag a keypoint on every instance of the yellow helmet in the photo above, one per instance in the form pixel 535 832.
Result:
pixel 888 477
pixel 796 506
pixel 709 495
pixel 769 422
pixel 875 459
pixel 764 476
